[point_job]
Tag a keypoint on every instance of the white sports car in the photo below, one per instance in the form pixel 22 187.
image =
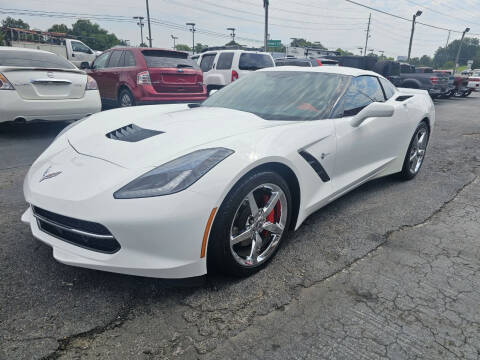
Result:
pixel 173 190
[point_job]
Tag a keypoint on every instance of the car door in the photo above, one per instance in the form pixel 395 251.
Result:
pixel 112 74
pixel 98 72
pixel 80 53
pixel 363 151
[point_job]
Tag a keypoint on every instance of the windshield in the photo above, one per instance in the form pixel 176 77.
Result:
pixel 282 95
pixel 35 59
pixel 168 59
pixel 253 61
pixel 476 74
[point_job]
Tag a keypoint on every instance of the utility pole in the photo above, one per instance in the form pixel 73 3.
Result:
pixel 411 34
pixel 232 34
pixel 265 5
pixel 174 38
pixel 192 29
pixel 448 38
pixel 460 49
pixel 368 33
pixel 141 24
pixel 149 28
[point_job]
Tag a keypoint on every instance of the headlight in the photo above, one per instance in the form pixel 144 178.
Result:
pixel 174 176
pixel 68 127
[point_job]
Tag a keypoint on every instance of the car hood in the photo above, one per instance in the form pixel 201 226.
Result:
pixel 171 132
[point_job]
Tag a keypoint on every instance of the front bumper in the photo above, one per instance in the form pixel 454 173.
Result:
pixel 13 107
pixel 158 237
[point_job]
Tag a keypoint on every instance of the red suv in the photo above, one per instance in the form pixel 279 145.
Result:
pixel 137 76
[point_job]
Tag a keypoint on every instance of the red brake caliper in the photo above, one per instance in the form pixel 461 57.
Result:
pixel 274 216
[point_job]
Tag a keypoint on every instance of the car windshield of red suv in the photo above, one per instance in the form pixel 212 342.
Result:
pixel 168 59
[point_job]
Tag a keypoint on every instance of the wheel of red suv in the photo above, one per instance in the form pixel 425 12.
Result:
pixel 250 224
pixel 125 98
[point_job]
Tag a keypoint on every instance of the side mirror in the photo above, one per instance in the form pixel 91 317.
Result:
pixel 84 65
pixel 375 109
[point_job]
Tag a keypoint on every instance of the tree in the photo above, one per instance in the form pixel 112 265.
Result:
pixel 199 47
pixel 304 43
pixel 94 36
pixel 183 47
pixel 15 23
pixel 59 28
pixel 470 51
pixel 344 52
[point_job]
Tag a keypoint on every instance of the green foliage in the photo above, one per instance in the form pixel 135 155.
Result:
pixel 15 23
pixel 425 60
pixel 59 28
pixel 344 52
pixel 1 39
pixel 470 51
pixel 93 35
pixel 183 47
pixel 199 47
pixel 305 43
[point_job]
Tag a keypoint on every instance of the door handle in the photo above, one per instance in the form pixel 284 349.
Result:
pixel 324 155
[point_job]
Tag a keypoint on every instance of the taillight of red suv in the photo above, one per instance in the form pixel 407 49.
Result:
pixel 143 78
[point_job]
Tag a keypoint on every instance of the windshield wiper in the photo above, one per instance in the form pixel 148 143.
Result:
pixel 184 66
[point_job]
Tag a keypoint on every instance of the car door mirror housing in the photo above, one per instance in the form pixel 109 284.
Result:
pixel 84 65
pixel 375 109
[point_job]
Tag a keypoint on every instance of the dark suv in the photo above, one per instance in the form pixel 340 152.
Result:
pixel 136 76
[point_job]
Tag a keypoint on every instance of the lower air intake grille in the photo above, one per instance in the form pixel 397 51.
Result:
pixel 132 133
pixel 86 234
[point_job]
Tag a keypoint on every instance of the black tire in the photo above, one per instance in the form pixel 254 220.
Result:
pixel 123 96
pixel 407 172
pixel 219 253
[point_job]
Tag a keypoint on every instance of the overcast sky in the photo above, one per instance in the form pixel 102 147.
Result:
pixel 333 23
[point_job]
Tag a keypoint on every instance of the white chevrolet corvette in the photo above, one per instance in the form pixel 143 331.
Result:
pixel 173 190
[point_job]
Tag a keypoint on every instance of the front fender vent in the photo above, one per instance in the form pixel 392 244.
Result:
pixel 315 164
pixel 132 133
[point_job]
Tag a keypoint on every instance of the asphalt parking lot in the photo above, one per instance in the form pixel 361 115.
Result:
pixel 390 270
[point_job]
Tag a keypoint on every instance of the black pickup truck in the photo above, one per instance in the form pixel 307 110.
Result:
pixel 405 75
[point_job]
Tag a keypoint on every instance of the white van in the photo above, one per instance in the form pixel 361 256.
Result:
pixel 221 67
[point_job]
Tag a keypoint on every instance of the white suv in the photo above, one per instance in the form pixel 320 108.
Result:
pixel 221 67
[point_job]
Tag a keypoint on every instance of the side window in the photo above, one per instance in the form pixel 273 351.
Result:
pixel 371 86
pixel 101 61
pixel 388 88
pixel 80 47
pixel 129 59
pixel 225 61
pixel 115 59
pixel 207 62
pixel 355 98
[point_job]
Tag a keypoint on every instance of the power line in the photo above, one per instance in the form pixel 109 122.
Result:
pixel 116 18
pixel 190 6
pixel 440 13
pixel 301 12
pixel 401 17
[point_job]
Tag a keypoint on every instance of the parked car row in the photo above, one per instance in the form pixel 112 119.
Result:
pixel 127 76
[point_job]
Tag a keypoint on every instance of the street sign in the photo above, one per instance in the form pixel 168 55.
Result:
pixel 274 43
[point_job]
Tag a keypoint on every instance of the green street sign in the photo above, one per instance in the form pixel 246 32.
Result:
pixel 274 43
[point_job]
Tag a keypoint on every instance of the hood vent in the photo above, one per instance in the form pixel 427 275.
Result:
pixel 132 133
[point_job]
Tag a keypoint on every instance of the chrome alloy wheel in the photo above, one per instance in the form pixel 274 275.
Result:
pixel 258 225
pixel 417 152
